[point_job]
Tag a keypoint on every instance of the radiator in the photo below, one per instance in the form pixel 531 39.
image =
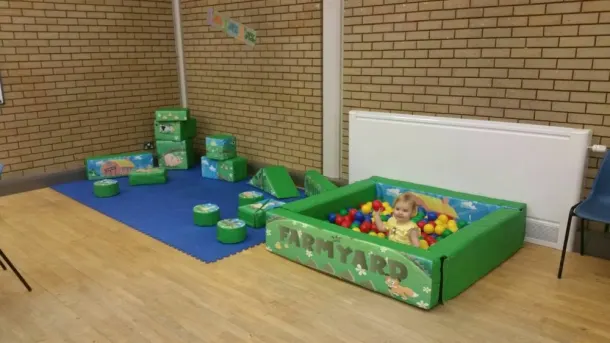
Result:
pixel 542 166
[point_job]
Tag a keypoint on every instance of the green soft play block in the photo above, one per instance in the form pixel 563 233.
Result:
pixel 234 169
pixel 300 231
pixel 176 155
pixel 148 176
pixel 316 183
pixel 175 130
pixel 255 215
pixel 276 181
pixel 220 147
pixel 117 165
pixel 172 114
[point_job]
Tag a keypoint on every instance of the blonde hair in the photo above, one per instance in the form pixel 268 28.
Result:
pixel 410 201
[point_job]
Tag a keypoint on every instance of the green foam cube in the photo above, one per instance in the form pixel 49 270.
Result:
pixel 175 130
pixel 176 155
pixel 255 215
pixel 220 147
pixel 172 114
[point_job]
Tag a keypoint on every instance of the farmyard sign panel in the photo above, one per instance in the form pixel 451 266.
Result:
pixel 231 27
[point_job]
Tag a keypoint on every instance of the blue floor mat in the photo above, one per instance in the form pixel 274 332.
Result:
pixel 165 212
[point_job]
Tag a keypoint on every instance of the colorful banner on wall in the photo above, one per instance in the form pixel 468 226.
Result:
pixel 231 27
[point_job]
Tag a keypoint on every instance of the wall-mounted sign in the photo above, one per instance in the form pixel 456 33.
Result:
pixel 231 27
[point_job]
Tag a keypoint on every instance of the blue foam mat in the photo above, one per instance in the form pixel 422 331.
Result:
pixel 165 211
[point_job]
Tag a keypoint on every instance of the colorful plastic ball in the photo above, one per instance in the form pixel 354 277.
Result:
pixel 377 205
pixel 438 222
pixel 338 219
pixel 429 228
pixel 439 229
pixel 434 235
pixel 432 216
pixel 373 233
pixel 359 216
pixel 356 223
pixel 384 218
pixel 365 227
pixel 421 224
pixel 451 223
pixel 446 233
pixel 461 223
pixel 368 218
pixel 453 229
pixel 381 235
pixel 386 204
pixel 356 229
pixel 366 209
pixel 343 212
pixel 443 218
pixel 346 224
pixel 423 244
pixel 430 240
pixel 332 217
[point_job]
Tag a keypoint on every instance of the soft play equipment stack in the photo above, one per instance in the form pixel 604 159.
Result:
pixel 221 160
pixel 174 133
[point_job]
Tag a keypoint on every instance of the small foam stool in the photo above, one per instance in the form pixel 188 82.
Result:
pixel 231 231
pixel 206 214
pixel 106 188
pixel 250 197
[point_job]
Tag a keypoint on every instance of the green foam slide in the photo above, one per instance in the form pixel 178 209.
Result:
pixel 316 183
pixel 276 181
pixel 148 176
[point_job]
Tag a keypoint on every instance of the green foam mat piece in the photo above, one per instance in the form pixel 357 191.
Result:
pixel 276 181
pixel 316 183
pixel 255 215
pixel 148 176
pixel 176 155
pixel 175 130
pixel 172 114
pixel 106 188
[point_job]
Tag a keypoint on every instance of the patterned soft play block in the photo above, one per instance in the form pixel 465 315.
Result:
pixel 233 170
pixel 255 215
pixel 176 155
pixel 172 114
pixel 220 147
pixel 175 130
pixel 148 176
pixel 109 166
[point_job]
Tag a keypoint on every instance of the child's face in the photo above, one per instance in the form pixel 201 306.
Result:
pixel 403 210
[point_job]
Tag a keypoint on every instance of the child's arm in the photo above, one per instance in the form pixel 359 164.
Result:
pixel 414 237
pixel 379 222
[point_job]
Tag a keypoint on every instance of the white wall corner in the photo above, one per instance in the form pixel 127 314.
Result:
pixel 332 86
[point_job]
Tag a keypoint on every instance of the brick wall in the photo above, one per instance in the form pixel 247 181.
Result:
pixel 533 61
pixel 268 96
pixel 81 77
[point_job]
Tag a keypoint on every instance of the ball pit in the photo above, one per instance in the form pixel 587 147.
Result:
pixel 433 226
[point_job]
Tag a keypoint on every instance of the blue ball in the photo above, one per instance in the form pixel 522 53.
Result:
pixel 357 223
pixel 432 216
pixel 359 216
pixel 434 235
pixel 332 217
pixel 421 210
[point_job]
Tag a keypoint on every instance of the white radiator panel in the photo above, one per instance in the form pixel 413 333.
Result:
pixel 542 166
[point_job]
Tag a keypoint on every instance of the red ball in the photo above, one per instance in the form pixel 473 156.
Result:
pixel 338 219
pixel 421 224
pixel 377 205
pixel 365 227
pixel 374 227
pixel 346 224
pixel 430 240
pixel 352 212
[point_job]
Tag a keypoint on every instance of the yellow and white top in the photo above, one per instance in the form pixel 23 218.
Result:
pixel 400 233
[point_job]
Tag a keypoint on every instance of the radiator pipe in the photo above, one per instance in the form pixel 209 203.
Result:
pixel 179 53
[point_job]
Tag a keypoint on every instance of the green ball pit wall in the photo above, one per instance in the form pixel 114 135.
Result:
pixel 300 232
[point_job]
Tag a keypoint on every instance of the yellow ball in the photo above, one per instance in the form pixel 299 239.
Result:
pixel 423 244
pixel 451 223
pixel 443 218
pixel 452 229
pixel 381 235
pixel 429 228
pixel 438 222
pixel 356 229
pixel 386 204
pixel 373 233
pixel 366 208
pixel 439 229
pixel 386 213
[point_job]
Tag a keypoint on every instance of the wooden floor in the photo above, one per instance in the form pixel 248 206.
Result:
pixel 96 280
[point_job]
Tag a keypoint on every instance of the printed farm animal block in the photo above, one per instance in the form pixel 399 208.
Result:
pixel 110 166
pixel 255 215
pixel 220 147
pixel 175 130
pixel 176 155
pixel 233 170
pixel 172 114
pixel 209 168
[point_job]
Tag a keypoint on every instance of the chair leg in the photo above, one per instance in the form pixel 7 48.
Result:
pixel 27 286
pixel 565 241
pixel 582 236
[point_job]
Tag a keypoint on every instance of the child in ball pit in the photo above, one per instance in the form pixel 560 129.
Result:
pixel 399 227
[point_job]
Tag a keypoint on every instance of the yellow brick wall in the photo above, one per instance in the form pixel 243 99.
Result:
pixel 81 78
pixel 532 61
pixel 268 96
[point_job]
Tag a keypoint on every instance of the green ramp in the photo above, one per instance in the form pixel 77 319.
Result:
pixel 316 183
pixel 276 181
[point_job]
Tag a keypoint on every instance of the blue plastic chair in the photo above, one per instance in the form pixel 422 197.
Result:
pixel 596 207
